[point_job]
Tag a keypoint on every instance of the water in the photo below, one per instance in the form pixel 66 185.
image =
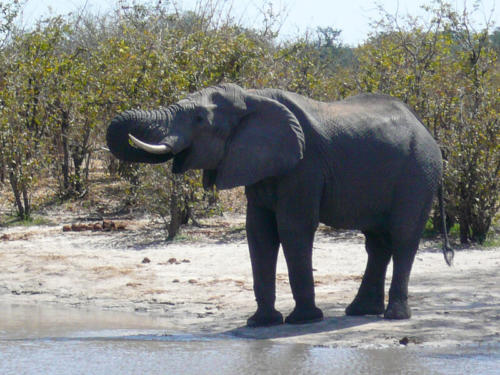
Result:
pixel 50 341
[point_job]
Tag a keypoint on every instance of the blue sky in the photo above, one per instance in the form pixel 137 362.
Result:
pixel 351 16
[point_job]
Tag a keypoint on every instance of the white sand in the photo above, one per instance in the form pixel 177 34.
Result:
pixel 208 287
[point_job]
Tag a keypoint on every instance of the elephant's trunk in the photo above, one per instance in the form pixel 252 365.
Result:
pixel 146 126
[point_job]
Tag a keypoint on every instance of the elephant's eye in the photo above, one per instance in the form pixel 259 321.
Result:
pixel 198 119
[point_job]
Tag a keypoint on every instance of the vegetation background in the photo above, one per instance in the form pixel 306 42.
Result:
pixel 63 80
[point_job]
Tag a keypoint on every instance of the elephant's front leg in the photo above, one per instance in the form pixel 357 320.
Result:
pixel 297 241
pixel 263 242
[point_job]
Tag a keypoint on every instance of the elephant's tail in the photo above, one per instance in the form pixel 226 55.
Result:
pixel 448 252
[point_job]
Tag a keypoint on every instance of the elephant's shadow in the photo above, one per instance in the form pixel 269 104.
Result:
pixel 329 324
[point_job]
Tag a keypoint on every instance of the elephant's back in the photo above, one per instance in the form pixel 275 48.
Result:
pixel 379 123
pixel 375 142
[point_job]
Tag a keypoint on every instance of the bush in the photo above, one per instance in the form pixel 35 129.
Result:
pixel 64 80
pixel 449 75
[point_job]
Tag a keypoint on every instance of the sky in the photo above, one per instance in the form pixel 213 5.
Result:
pixel 352 17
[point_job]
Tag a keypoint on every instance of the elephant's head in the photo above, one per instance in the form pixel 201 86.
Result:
pixel 237 137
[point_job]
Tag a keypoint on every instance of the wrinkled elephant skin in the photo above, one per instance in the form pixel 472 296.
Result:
pixel 363 163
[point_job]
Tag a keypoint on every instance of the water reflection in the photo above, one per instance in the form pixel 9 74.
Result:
pixel 34 321
pixel 230 357
pixel 50 341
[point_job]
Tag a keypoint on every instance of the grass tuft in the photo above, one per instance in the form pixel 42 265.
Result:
pixel 15 221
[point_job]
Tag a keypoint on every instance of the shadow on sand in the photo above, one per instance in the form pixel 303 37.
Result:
pixel 329 324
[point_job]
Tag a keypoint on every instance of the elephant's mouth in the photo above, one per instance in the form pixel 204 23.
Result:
pixel 179 165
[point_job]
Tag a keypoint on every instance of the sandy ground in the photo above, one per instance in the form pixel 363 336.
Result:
pixel 203 284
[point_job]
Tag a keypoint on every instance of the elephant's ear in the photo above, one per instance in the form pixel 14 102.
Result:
pixel 267 141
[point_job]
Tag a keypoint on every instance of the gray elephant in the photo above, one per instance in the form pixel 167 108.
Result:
pixel 364 163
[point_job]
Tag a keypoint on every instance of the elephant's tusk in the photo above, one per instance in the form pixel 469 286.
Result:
pixel 153 149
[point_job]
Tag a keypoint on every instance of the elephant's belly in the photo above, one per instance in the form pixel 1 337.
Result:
pixel 355 214
pixel 362 223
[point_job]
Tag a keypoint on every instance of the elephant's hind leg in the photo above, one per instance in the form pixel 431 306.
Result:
pixel 408 222
pixel 403 257
pixel 370 297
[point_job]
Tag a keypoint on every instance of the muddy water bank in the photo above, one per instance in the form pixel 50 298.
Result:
pixel 205 287
pixel 43 340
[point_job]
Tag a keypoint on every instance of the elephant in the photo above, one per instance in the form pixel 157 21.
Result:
pixel 365 163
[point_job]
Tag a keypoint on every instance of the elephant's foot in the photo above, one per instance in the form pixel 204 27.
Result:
pixel 369 304
pixel 397 310
pixel 302 315
pixel 265 318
